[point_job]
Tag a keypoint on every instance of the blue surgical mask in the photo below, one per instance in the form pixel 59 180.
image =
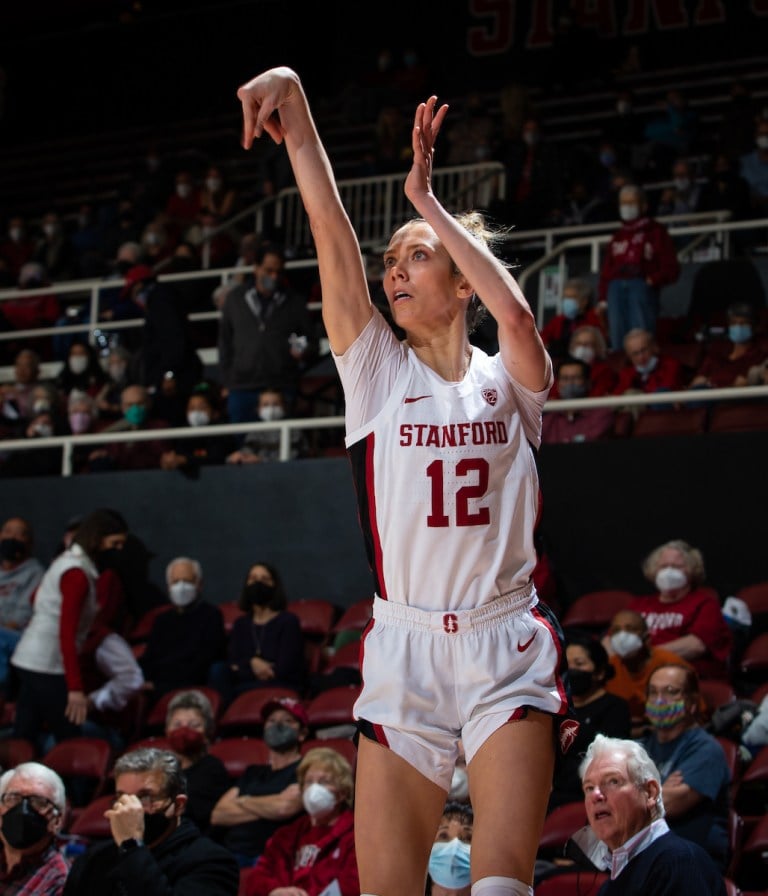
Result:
pixel 267 283
pixel 573 390
pixel 570 308
pixel 449 864
pixel 740 332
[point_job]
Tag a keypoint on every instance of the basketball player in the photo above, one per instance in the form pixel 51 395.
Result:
pixel 440 438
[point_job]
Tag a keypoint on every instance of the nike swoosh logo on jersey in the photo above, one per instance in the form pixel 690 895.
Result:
pixel 523 647
pixel 417 398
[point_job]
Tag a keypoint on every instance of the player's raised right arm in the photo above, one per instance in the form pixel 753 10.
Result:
pixel 274 102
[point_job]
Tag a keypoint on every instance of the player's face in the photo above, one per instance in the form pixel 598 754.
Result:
pixel 420 281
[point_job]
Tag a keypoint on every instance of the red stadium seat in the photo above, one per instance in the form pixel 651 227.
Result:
pixel 230 610
pixel 237 753
pixel 333 707
pixel 561 823
pixel 316 617
pixel 88 759
pixel 90 824
pixel 14 751
pixel 595 609
pixel 243 715
pixel 356 616
pixel 572 883
pixel 343 745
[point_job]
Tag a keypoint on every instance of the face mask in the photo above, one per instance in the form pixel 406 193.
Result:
pixel 669 577
pixel 762 142
pixel 152 239
pixel 183 190
pixel 271 412
pixel 665 715
pixel 41 406
pixel 629 212
pixel 682 184
pixel 649 367
pixel 12 549
pixel 78 364
pixel 79 421
pixel 182 593
pixel 449 864
pixel 23 827
pixel 15 234
pixel 136 414
pixel 581 681
pixel 213 184
pixel 44 430
pixel 318 799
pixel 198 418
pixel 187 741
pixel 607 159
pixel 156 825
pixel 740 332
pixel 117 372
pixel 622 107
pixel 49 230
pixel 279 736
pixel 626 643
pixel 530 139
pixel 570 308
pixel 258 594
pixel 109 558
pixel 267 283
pixel 572 390
pixel 459 785
pixel 583 353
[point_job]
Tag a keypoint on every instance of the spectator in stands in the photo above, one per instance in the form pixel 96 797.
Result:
pixel 672 132
pixel 266 796
pixel 36 461
pixel 53 249
pixel 317 850
pixel 597 711
pixel 725 188
pixel 684 616
pixel 52 701
pixel 473 137
pixel 449 859
pixel 81 370
pixel 33 805
pixel 575 425
pixel 587 344
pixel 189 728
pixel 625 808
pixel 20 574
pixel 577 310
pixel 266 336
pixel 189 454
pixel 131 455
pixel 183 205
pixel 728 362
pixel 123 226
pixel 647 369
pixel 213 245
pixel 639 259
pixel 634 658
pixel 185 641
pixel 534 178
pixel 215 195
pixel 685 195
pixel 29 312
pixel 693 768
pixel 266 645
pixel 754 170
pixel 157 242
pixel 16 249
pixel 624 129
pixel 153 846
pixel 108 398
pixel 87 242
pixel 17 397
pixel 264 445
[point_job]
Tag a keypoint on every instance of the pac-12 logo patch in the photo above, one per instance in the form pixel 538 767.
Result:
pixel 491 396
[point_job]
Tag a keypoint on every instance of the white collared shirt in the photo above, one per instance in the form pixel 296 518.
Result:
pixel 635 845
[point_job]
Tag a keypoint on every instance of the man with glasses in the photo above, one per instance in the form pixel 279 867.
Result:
pixel 154 849
pixel 694 771
pixel 32 804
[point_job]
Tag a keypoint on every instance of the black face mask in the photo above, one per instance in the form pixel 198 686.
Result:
pixel 581 681
pixel 156 825
pixel 258 594
pixel 12 549
pixel 111 558
pixel 23 827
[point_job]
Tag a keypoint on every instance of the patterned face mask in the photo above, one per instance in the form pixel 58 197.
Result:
pixel 665 715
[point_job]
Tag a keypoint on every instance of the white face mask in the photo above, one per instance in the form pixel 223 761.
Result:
pixel 629 212
pixel 762 142
pixel 198 418
pixel 213 184
pixel 49 230
pixel 583 353
pixel 117 372
pixel 41 406
pixel 44 430
pixel 626 643
pixel 318 799
pixel 668 578
pixel 182 593
pixel 183 190
pixel 271 412
pixel 682 184
pixel 459 785
pixel 78 363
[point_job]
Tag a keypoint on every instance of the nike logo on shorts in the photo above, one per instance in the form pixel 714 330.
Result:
pixel 523 647
pixel 417 398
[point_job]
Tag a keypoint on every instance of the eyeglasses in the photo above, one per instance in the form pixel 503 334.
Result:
pixel 148 800
pixel 668 691
pixel 40 804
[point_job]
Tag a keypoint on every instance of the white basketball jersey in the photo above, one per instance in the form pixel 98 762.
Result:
pixel 445 475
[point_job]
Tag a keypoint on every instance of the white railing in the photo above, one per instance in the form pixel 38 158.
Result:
pixel 288 427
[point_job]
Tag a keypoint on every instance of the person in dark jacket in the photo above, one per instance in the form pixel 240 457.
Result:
pixel 154 850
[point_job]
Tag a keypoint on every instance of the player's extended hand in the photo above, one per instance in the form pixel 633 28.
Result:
pixel 426 127
pixel 262 98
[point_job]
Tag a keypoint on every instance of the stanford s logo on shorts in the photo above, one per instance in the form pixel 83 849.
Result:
pixel 450 623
